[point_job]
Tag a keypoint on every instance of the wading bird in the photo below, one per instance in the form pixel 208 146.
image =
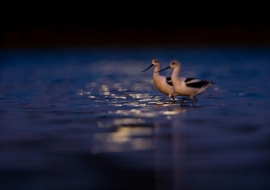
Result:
pixel 190 87
pixel 163 84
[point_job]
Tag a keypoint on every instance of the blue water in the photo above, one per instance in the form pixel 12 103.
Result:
pixel 90 119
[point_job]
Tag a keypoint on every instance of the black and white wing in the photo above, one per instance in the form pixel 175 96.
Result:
pixel 169 81
pixel 196 83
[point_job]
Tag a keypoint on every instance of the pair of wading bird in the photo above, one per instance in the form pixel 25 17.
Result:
pixel 175 85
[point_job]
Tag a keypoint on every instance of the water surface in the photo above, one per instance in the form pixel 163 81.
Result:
pixel 90 119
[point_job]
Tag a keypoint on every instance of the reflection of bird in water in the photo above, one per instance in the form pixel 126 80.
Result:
pixel 162 83
pixel 190 87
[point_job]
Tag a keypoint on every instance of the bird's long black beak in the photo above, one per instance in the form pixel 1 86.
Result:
pixel 163 69
pixel 148 67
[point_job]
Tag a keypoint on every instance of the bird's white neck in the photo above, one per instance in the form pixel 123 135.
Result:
pixel 175 73
pixel 156 69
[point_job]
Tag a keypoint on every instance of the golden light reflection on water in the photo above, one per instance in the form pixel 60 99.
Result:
pixel 121 121
pixel 104 88
pixel 130 134
pixel 122 90
pixel 81 92
pixel 147 111
pixel 125 138
pixel 172 112
pixel 135 112
pixel 126 121
pixel 139 96
pixel 120 97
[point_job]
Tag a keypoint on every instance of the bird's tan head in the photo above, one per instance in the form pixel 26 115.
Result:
pixel 175 64
pixel 155 62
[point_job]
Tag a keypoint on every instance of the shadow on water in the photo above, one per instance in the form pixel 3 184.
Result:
pixel 78 120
